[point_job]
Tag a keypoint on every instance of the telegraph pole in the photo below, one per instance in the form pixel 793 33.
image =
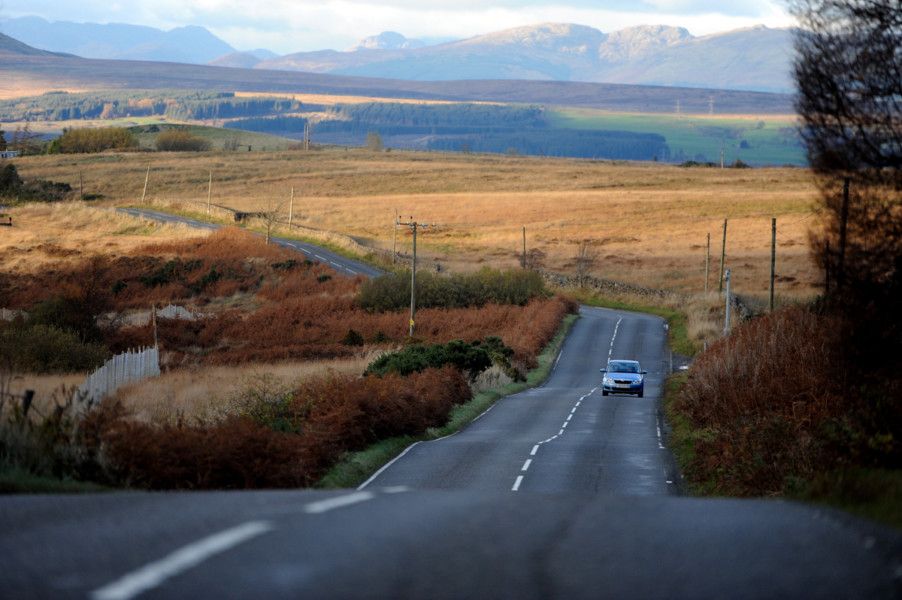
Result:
pixel 394 240
pixel 843 221
pixel 414 226
pixel 726 327
pixel 773 259
pixel 146 179
pixel 707 262
pixel 524 248
pixel 723 255
pixel 209 192
pixel 290 209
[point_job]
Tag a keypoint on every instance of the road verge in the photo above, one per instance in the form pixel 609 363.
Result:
pixel 356 467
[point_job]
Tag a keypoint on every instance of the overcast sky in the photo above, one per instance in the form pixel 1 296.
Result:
pixel 293 25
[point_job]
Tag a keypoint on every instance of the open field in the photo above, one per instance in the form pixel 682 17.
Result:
pixel 769 139
pixel 646 221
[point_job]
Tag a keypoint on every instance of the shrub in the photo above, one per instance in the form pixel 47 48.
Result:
pixel 392 291
pixel 12 186
pixel 80 141
pixel 40 348
pixel 177 140
pixel 472 358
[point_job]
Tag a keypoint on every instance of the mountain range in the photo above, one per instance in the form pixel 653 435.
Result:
pixel 755 59
pixel 119 41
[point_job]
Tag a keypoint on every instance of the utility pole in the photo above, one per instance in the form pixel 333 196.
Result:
pixel 524 248
pixel 827 271
pixel 81 186
pixel 707 262
pixel 414 226
pixel 726 326
pixel 394 239
pixel 290 209
pixel 209 192
pixel 843 221
pixel 773 259
pixel 146 179
pixel 307 136
pixel 723 256
pixel 721 154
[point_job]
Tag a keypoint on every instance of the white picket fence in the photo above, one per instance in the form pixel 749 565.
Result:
pixel 128 367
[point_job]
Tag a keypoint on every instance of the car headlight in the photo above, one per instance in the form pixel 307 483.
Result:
pixel 607 380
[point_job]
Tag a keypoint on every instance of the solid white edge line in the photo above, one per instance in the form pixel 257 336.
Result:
pixel 517 483
pixel 315 508
pixel 157 572
pixel 385 466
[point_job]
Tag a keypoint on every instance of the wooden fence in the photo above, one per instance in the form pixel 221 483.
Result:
pixel 122 369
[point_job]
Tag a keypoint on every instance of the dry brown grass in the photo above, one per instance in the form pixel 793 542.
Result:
pixel 66 233
pixel 207 393
pixel 647 221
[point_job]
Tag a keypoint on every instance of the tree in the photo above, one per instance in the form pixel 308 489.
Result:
pixel 271 216
pixel 849 74
pixel 374 141
pixel 2 141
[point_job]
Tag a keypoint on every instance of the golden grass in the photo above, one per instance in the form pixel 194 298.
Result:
pixel 209 392
pixel 70 231
pixel 647 221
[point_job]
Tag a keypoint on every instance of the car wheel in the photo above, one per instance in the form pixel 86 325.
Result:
pixel 604 392
pixel 641 394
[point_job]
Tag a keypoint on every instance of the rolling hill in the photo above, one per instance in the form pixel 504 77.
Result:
pixel 23 67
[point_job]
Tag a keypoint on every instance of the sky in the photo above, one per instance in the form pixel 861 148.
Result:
pixel 286 26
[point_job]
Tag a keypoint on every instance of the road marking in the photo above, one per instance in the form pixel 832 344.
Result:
pixel 315 508
pixel 396 489
pixel 558 359
pixel 155 573
pixel 385 466
pixel 561 432
pixel 570 416
pixel 526 464
pixel 351 271
pixel 534 450
pixel 517 483
pixel 320 257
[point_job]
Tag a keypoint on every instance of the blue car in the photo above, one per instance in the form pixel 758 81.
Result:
pixel 623 377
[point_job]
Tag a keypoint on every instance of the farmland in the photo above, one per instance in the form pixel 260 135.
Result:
pixel 648 222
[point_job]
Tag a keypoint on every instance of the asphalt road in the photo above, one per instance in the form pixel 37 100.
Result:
pixel 341 264
pixel 555 492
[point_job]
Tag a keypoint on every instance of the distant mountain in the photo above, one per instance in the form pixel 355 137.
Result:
pixel 118 41
pixel 388 40
pixel 10 46
pixel 747 59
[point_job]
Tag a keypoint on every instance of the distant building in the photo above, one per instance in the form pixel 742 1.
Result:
pixel 9 153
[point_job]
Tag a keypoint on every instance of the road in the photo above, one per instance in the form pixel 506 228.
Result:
pixel 343 265
pixel 554 492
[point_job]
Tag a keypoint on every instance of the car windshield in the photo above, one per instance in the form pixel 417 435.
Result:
pixel 623 367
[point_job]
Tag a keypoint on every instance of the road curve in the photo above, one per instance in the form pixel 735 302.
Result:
pixel 591 515
pixel 341 264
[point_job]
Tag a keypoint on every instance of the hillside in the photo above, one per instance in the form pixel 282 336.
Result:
pixel 118 40
pixel 36 72
pixel 10 46
pixel 756 58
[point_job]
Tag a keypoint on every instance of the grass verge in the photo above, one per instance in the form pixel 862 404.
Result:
pixel 678 331
pixel 356 467
pixel 19 481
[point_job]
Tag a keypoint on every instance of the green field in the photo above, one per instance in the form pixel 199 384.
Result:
pixel 218 137
pixel 769 139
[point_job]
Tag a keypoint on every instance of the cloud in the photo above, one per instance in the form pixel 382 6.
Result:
pixel 294 25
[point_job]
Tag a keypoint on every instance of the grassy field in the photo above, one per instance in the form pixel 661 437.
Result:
pixel 769 139
pixel 646 222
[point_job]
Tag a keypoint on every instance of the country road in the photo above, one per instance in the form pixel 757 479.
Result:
pixel 557 492
pixel 345 266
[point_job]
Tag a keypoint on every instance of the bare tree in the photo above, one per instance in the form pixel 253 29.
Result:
pixel 584 261
pixel 849 74
pixel 271 216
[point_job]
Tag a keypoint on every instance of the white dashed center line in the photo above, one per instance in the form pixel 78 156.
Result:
pixel 332 503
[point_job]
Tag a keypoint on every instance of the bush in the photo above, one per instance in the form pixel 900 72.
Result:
pixel 769 406
pixel 472 358
pixel 177 140
pixel 12 186
pixel 392 291
pixel 40 348
pixel 80 141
